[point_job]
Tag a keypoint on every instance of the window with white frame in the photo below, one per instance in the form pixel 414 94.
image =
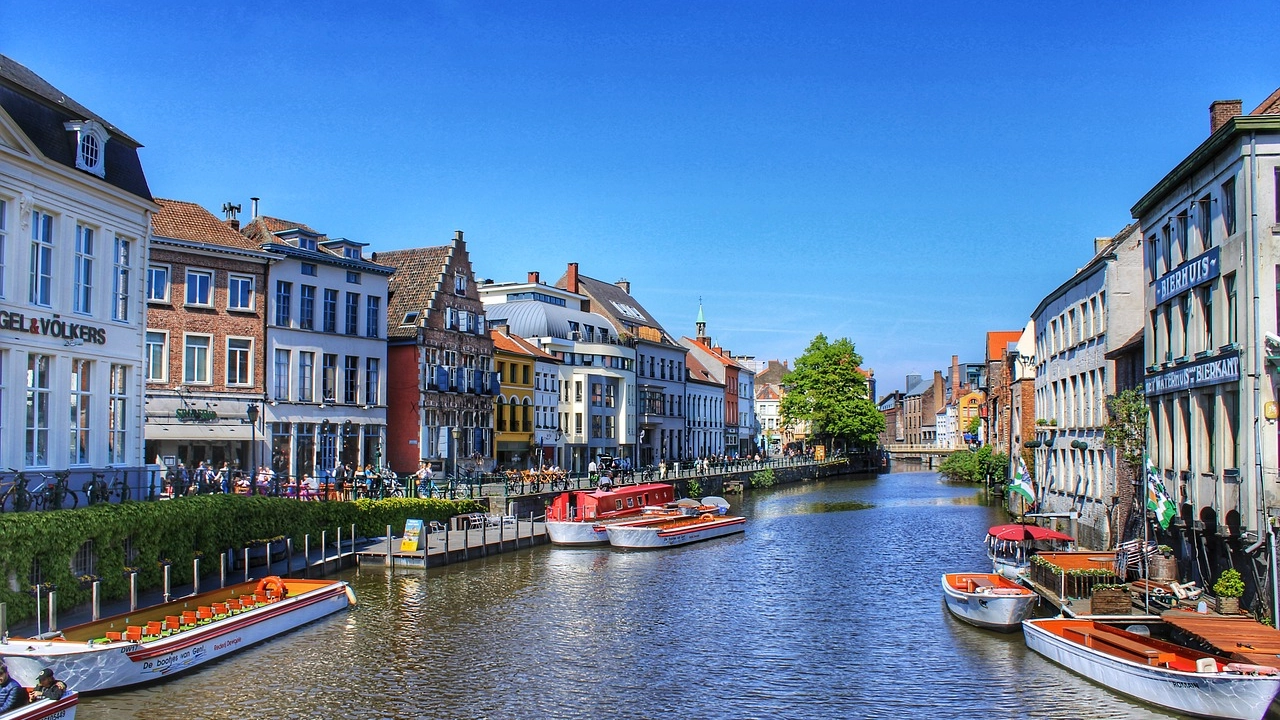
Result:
pixel 353 277
pixel 82 270
pixel 459 283
pixel 157 356
pixel 122 261
pixel 307 243
pixel 372 316
pixel 40 289
pixel 199 288
pixel 329 378
pixel 284 299
pixel 330 310
pixel 81 394
pixel 307 307
pixel 371 379
pixel 353 313
pixel 158 283
pixel 282 374
pixel 195 359
pixel 239 361
pixel 351 380
pixel 39 396
pixel 309 269
pixel 4 243
pixel 306 376
pixel 118 417
pixel 240 292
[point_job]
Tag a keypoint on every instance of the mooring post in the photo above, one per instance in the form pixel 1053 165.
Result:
pixel 324 553
pixel 353 539
pixel 195 576
pixel 4 622
pixel 38 618
pixel 339 560
pixel 166 582
pixel 288 556
pixel 53 610
pixel 246 564
pixel 222 568
pixel 97 598
pixel 306 555
pixel 388 546
pixel 133 591
pixel 267 560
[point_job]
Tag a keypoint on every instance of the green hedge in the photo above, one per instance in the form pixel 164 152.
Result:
pixel 178 530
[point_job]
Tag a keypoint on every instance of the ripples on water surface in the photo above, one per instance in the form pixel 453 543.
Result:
pixel 823 609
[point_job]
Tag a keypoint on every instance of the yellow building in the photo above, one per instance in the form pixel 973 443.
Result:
pixel 513 406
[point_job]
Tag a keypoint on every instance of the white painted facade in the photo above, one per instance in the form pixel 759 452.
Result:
pixel 73 251
pixel 326 397
pixel 705 418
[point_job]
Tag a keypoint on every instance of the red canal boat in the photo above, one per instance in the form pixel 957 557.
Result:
pixel 578 517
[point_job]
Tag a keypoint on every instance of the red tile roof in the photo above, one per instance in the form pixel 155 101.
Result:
pixel 998 341
pixel 419 274
pixel 181 220
pixel 263 229
pixel 697 371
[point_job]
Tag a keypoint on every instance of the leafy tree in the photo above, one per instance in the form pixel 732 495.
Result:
pixel 1126 430
pixel 975 424
pixel 974 467
pixel 827 390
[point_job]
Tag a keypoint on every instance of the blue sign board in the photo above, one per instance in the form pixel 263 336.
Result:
pixel 1224 368
pixel 1194 272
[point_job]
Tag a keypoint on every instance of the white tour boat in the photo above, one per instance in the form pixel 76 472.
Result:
pixel 988 600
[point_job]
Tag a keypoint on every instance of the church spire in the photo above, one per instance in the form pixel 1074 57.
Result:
pixel 701 322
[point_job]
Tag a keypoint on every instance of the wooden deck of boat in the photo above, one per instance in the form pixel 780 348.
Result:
pixel 1238 637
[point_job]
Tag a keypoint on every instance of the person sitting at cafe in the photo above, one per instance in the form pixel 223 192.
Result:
pixel 12 695
pixel 47 687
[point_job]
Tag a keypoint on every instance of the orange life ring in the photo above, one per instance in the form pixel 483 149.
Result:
pixel 272 585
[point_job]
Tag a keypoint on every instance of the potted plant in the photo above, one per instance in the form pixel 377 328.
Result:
pixel 1110 599
pixel 1228 589
pixel 1163 567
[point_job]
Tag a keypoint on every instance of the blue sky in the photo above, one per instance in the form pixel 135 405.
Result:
pixel 908 175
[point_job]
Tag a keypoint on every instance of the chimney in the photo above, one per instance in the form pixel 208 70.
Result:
pixel 1220 111
pixel 955 376
pixel 253 209
pixel 625 285
pixel 230 211
pixel 912 381
pixel 533 278
pixel 571 279
pixel 457 236
pixel 504 328
pixel 1099 243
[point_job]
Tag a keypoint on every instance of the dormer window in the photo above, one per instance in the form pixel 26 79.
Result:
pixel 410 318
pixel 306 243
pixel 351 253
pixel 91 143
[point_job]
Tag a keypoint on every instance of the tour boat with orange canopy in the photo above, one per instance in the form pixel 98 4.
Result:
pixel 1153 670
pixel 692 522
pixel 1011 546
pixel 64 708
pixel 988 600
pixel 162 640
pixel 578 517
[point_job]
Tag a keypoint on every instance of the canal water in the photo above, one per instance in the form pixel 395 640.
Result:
pixel 822 609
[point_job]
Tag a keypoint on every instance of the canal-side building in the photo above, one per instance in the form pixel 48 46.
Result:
pixel 891 407
pixel 440 357
pixel 1076 325
pixel 660 391
pixel 705 401
pixel 921 403
pixel 1211 339
pixel 769 415
pixel 996 383
pixel 1020 369
pixel 597 368
pixel 513 405
pixel 205 340
pixel 326 354
pixel 726 371
pixel 74 229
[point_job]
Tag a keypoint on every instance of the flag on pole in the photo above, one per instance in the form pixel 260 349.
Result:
pixel 1158 500
pixel 1021 483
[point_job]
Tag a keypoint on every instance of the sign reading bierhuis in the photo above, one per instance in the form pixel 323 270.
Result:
pixel 1210 371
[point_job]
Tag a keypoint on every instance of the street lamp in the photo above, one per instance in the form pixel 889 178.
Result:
pixel 252 413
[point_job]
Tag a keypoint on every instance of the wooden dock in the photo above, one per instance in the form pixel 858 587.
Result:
pixel 1238 637
pixel 467 538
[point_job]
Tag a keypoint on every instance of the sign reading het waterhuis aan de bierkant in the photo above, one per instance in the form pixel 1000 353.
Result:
pixel 1210 371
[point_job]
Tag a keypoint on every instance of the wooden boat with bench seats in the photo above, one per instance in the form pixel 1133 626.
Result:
pixel 690 523
pixel 157 642
pixel 988 600
pixel 64 708
pixel 1155 671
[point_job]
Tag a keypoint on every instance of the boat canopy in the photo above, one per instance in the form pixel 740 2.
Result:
pixel 1020 532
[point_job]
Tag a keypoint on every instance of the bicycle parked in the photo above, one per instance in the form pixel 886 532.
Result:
pixel 54 494
pixel 96 489
pixel 18 495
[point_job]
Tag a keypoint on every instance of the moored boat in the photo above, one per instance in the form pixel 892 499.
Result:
pixel 578 517
pixel 64 708
pixel 1010 547
pixel 163 640
pixel 691 524
pixel 988 600
pixel 1154 671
